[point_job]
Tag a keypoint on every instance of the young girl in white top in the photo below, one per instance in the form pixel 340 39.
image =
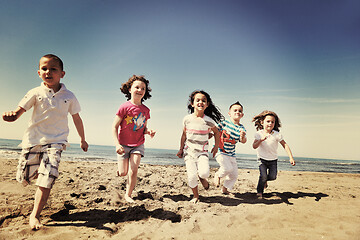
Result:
pixel 266 142
pixel 195 139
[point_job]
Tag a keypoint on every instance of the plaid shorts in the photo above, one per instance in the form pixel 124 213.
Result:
pixel 40 162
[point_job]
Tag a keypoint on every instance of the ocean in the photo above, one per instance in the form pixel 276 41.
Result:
pixel 9 149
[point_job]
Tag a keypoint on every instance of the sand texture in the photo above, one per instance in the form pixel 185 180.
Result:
pixel 86 203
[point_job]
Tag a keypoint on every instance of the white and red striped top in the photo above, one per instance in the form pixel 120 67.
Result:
pixel 197 134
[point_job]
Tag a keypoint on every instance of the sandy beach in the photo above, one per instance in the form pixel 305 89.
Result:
pixel 86 203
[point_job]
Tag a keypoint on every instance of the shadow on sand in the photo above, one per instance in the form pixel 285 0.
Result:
pixel 251 198
pixel 96 218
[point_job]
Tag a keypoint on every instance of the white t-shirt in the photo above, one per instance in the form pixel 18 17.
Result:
pixel 49 121
pixel 267 150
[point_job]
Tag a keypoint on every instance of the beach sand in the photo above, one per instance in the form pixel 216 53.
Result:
pixel 86 203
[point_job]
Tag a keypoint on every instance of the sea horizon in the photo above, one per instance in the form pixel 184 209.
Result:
pixel 9 149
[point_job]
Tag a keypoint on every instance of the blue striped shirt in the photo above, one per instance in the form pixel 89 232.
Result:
pixel 229 136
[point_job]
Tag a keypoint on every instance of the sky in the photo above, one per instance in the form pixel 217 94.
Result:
pixel 300 59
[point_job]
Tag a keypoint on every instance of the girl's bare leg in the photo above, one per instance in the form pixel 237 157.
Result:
pixel 123 167
pixel 205 183
pixel 134 163
pixel 41 197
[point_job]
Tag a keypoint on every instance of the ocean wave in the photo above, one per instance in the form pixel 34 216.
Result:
pixel 10 154
pixel 88 158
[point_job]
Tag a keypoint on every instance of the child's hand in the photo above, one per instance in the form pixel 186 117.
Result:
pixel 214 151
pixel 264 137
pixel 292 161
pixel 180 153
pixel 242 134
pixel 10 116
pixel 84 146
pixel 211 135
pixel 151 133
pixel 119 149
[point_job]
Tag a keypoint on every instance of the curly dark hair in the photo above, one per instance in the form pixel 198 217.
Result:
pixel 211 111
pixel 259 119
pixel 125 87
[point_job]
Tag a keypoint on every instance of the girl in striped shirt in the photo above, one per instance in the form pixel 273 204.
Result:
pixel 194 141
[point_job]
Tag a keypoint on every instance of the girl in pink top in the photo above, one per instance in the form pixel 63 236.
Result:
pixel 129 128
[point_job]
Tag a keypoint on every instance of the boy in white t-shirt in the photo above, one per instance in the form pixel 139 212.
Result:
pixel 46 135
pixel 266 142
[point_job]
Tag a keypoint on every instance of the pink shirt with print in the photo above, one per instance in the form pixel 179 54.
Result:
pixel 133 122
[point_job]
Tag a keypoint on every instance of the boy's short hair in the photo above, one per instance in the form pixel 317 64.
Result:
pixel 52 56
pixel 236 103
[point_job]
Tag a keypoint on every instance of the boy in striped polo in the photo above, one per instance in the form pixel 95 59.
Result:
pixel 231 132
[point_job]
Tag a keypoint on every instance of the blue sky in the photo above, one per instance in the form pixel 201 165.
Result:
pixel 300 59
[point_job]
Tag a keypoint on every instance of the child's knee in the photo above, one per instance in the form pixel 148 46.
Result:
pixel 234 173
pixel 192 181
pixel 205 173
pixel 263 178
pixel 133 171
pixel 122 173
pixel 271 178
pixel 227 169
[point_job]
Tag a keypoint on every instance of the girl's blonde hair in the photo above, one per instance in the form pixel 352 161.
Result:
pixel 259 119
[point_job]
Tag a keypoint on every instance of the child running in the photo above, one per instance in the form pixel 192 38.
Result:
pixel 46 136
pixel 266 142
pixel 194 141
pixel 129 128
pixel 231 132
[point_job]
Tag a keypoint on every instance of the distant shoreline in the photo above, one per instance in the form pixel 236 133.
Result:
pixel 175 150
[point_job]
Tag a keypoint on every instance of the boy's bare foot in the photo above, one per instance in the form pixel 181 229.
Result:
pixel 216 180
pixel 129 199
pixel 34 223
pixel 194 200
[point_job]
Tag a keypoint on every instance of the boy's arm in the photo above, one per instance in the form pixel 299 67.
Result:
pixel 217 140
pixel 180 154
pixel 287 149
pixel 115 133
pixel 80 129
pixel 12 116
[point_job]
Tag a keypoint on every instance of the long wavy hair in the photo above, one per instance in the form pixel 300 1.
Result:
pixel 211 111
pixel 125 87
pixel 259 119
